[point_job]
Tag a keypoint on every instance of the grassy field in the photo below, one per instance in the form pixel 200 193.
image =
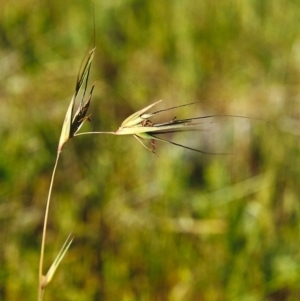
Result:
pixel 177 225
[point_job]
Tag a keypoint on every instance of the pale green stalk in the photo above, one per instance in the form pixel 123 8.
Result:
pixel 41 276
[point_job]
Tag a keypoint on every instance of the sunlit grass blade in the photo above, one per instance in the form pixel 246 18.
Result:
pixel 57 260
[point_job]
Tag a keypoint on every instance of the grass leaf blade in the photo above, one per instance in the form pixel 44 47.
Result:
pixel 57 261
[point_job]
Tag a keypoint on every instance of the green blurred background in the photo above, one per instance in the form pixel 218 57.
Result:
pixel 173 226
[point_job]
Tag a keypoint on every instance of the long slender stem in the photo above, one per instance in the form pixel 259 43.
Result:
pixel 41 288
pixel 89 133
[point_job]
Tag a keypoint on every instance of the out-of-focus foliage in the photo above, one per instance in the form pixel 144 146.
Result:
pixel 173 226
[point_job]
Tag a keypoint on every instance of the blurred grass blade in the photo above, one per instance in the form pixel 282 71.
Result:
pixel 73 123
pixel 57 261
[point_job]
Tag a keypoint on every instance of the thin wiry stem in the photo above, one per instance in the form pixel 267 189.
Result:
pixel 89 133
pixel 41 276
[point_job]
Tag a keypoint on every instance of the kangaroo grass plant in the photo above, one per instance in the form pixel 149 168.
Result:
pixel 138 124
pixel 71 125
